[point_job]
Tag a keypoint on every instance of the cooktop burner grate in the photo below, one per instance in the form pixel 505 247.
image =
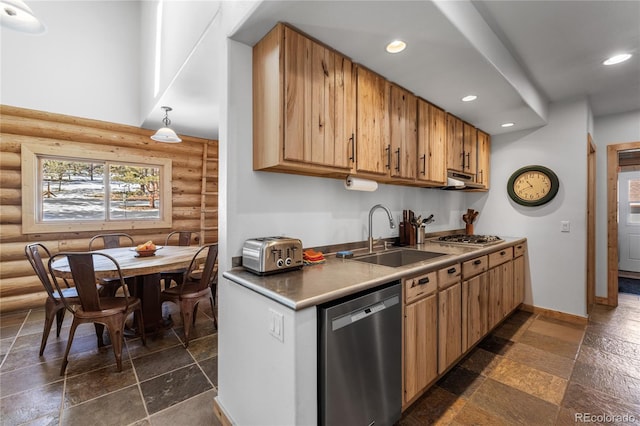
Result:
pixel 464 239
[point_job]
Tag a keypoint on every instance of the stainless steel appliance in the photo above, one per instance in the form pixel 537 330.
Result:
pixel 469 240
pixel 268 255
pixel 360 377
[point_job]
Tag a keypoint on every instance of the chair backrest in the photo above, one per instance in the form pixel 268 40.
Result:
pixel 111 240
pixel 83 272
pixel 184 237
pixel 32 251
pixel 208 276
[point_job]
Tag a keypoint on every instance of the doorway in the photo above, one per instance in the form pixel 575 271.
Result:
pixel 619 157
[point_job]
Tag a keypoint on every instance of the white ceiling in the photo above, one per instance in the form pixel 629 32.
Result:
pixel 517 56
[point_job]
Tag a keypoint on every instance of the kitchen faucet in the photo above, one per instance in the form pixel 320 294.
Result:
pixel 391 224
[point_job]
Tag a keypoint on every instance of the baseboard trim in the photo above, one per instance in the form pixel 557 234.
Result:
pixel 575 319
pixel 220 413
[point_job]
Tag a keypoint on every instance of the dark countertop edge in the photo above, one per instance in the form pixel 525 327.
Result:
pixel 394 274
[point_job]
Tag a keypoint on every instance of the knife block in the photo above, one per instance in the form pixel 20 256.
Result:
pixel 469 229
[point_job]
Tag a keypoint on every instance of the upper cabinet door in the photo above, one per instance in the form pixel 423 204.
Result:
pixel 470 149
pixel 455 143
pixel 432 143
pixel 484 152
pixel 403 132
pixel 319 103
pixel 373 152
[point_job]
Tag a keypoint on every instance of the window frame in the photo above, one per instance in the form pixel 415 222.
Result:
pixel 31 186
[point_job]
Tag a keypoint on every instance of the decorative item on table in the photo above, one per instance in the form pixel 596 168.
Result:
pixel 146 249
pixel 468 219
pixel 312 257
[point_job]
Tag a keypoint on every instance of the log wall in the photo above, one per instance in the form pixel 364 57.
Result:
pixel 19 286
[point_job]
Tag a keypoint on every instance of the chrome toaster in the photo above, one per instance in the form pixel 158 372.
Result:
pixel 272 254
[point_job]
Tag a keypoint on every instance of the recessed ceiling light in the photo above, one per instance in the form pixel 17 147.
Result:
pixel 469 98
pixel 508 124
pixel 617 59
pixel 396 46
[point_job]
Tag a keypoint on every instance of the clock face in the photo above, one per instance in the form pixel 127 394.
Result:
pixel 533 186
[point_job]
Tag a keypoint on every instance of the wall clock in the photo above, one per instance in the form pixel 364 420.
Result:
pixel 533 185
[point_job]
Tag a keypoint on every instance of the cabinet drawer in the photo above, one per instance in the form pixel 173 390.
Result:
pixel 474 266
pixel 519 249
pixel 448 275
pixel 500 257
pixel 420 286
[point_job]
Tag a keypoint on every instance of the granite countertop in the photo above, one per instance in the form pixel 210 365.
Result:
pixel 316 284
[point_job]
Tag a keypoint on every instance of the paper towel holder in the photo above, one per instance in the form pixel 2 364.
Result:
pixel 353 183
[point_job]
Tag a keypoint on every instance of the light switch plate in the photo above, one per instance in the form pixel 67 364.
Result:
pixel 276 324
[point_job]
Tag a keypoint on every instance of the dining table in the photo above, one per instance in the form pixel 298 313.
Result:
pixel 141 271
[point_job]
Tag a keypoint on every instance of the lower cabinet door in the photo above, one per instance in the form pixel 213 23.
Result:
pixel 449 326
pixel 475 291
pixel 518 281
pixel 421 345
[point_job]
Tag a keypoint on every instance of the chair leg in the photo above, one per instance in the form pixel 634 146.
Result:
pixel 48 322
pixel 141 327
pixel 65 361
pixel 59 320
pixel 185 310
pixel 116 330
pixel 99 333
pixel 213 312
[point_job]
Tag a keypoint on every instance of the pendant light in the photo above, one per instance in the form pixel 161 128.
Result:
pixel 165 134
pixel 16 15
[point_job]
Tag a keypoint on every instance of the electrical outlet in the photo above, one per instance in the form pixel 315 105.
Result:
pixel 276 324
pixel 565 226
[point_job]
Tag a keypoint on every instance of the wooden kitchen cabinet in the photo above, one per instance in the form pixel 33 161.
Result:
pixel 518 274
pixel 455 143
pixel 449 326
pixel 484 159
pixel 372 124
pixel 475 302
pixel 304 107
pixel 432 144
pixel 403 116
pixel 470 149
pixel 500 285
pixel 420 333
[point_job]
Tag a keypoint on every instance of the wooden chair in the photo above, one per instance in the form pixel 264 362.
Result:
pixel 111 241
pixel 101 311
pixel 54 308
pixel 183 238
pixel 115 240
pixel 192 291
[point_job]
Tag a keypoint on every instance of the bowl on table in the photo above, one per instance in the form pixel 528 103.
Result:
pixel 146 253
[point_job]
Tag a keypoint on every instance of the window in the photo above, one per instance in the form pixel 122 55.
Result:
pixel 105 192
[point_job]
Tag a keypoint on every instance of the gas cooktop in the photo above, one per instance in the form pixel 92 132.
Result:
pixel 469 240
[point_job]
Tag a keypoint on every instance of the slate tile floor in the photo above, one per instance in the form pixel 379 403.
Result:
pixel 161 383
pixel 531 370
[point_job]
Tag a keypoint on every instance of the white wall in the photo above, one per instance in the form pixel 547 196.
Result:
pixel 608 130
pixel 557 261
pixel 87 65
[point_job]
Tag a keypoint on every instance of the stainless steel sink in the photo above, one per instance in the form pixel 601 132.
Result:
pixel 396 258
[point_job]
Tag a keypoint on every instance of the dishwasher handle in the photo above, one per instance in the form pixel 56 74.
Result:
pixel 362 313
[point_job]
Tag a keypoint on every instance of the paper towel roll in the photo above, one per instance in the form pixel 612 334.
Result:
pixel 358 184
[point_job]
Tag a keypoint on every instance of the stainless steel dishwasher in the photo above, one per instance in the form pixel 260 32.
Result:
pixel 360 377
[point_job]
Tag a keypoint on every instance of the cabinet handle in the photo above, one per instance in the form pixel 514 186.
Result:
pixel 481 176
pixel 424 164
pixel 477 262
pixel 451 271
pixel 466 163
pixel 502 253
pixel 353 148
pixel 388 149
pixel 423 281
pixel 398 154
pixel 519 247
